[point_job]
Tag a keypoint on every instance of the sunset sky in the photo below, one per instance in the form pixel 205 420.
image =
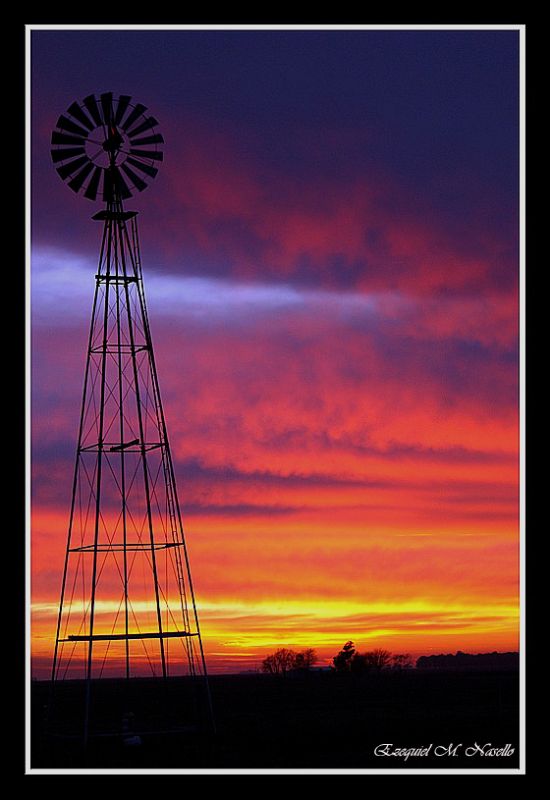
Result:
pixel 330 256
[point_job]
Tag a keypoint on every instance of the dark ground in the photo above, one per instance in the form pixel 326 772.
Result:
pixel 317 720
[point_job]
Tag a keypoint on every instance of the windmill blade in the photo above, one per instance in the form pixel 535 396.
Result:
pixel 65 138
pixel 107 107
pixel 76 183
pixel 154 155
pixel 72 166
pixel 63 153
pixel 149 123
pixel 152 171
pixel 93 186
pixel 121 185
pixel 123 102
pixel 91 104
pixel 136 180
pixel 156 139
pixel 133 116
pixel 76 112
pixel 68 125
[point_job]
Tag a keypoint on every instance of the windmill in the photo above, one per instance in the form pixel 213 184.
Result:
pixel 127 606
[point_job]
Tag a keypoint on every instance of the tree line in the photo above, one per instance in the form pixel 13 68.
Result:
pixel 348 659
pixel 469 661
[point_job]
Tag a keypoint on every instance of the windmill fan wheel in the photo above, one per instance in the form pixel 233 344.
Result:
pixel 106 147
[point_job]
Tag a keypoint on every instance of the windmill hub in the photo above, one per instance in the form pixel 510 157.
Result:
pixel 114 141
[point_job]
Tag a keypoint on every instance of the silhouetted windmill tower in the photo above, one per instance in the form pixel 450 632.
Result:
pixel 127 604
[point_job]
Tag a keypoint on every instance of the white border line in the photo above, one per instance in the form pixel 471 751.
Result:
pixel 522 407
pixel 281 27
pixel 365 771
pixel 275 771
pixel 27 398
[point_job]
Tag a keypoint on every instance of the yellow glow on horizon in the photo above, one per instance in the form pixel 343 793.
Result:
pixel 315 608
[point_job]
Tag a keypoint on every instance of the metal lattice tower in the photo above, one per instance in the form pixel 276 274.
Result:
pixel 127 605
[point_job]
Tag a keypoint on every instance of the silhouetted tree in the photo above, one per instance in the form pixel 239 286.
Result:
pixel 304 660
pixel 279 662
pixel 268 665
pixel 372 661
pixel 342 661
pixel 378 659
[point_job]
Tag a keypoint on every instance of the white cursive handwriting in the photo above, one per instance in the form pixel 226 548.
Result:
pixel 440 750
pixel 401 752
pixel 489 750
